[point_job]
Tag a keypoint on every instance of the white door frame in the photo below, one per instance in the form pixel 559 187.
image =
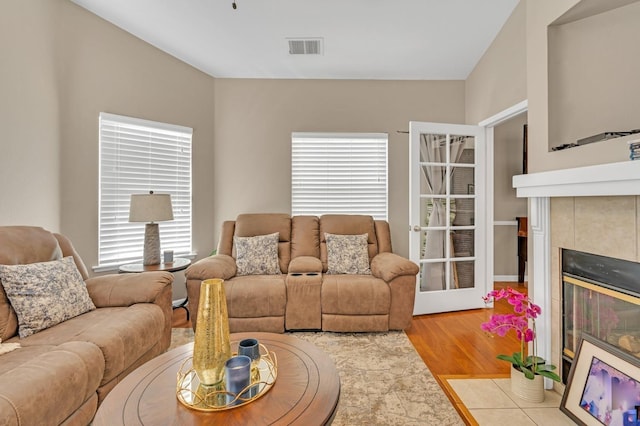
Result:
pixel 489 125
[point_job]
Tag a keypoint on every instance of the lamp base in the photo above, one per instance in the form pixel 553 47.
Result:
pixel 151 244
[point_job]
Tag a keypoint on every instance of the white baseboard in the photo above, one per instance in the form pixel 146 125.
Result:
pixel 507 278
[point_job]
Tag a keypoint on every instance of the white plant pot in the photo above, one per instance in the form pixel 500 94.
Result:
pixel 525 389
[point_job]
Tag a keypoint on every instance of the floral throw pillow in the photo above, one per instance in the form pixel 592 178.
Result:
pixel 257 255
pixel 347 254
pixel 45 294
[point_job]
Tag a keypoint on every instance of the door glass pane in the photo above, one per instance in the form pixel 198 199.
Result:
pixel 432 276
pixel 463 243
pixel 433 180
pixel 433 244
pixel 433 148
pixel 433 212
pixel 462 181
pixel 464 211
pixel 462 274
pixel 461 149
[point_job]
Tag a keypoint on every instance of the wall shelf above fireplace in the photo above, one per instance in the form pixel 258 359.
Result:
pixel 621 178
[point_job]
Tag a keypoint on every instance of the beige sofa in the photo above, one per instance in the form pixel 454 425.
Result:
pixel 61 374
pixel 303 296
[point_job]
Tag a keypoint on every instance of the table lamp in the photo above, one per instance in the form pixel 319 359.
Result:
pixel 151 208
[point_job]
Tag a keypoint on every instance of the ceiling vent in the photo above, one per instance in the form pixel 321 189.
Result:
pixel 305 46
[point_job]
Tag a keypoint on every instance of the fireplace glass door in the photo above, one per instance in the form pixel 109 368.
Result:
pixel 608 311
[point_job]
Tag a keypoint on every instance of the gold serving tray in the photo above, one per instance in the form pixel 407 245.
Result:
pixel 199 397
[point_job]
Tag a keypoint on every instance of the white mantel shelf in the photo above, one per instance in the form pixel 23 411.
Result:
pixel 591 181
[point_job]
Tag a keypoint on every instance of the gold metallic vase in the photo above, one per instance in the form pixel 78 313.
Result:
pixel 211 348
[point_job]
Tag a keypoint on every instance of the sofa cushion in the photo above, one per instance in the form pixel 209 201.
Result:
pixel 45 384
pixel 355 295
pixel 8 318
pixel 345 224
pixel 252 224
pixel 257 255
pixel 347 254
pixel 123 334
pixel 305 236
pixel 256 296
pixel 44 294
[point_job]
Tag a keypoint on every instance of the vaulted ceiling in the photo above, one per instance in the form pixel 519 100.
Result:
pixel 358 39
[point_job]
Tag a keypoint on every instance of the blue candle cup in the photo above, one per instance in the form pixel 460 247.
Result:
pixel 251 348
pixel 237 371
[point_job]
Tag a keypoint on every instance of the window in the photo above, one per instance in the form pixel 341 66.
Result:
pixel 339 174
pixel 138 156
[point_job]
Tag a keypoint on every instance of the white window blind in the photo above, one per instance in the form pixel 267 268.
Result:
pixel 339 174
pixel 138 156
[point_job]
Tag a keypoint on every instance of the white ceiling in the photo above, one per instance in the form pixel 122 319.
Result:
pixel 363 39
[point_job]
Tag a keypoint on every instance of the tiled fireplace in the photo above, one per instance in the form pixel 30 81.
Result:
pixel 593 210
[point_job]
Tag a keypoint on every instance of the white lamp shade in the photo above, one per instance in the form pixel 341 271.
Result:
pixel 150 208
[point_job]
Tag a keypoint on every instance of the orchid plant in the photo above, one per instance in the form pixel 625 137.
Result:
pixel 525 314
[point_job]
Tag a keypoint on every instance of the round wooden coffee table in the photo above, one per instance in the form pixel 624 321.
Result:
pixel 306 391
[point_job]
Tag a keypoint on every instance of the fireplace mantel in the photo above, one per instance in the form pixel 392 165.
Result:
pixel 621 178
pixel 613 179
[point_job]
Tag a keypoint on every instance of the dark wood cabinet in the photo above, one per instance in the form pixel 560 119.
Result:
pixel 523 227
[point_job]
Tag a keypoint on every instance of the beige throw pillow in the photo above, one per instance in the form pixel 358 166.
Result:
pixel 257 255
pixel 45 294
pixel 347 254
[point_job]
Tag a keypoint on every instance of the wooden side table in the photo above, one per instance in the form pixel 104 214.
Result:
pixel 178 264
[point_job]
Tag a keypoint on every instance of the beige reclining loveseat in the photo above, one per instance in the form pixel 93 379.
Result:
pixel 303 293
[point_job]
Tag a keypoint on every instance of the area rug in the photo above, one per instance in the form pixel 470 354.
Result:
pixel 383 379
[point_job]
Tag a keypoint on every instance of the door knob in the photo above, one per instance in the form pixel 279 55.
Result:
pixel 416 228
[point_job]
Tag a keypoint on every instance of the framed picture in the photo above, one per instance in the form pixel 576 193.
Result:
pixel 471 188
pixel 603 386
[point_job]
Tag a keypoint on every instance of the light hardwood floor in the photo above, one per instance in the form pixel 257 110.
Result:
pixel 453 343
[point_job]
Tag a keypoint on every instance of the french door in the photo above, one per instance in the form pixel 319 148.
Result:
pixel 448 216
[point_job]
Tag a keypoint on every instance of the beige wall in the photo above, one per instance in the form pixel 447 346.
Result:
pixel 255 119
pixel 107 69
pixel 66 66
pixel 499 80
pixel 30 144
pixel 540 14
pixel 593 79
pixel 507 163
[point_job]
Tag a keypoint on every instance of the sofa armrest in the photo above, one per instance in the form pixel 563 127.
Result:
pixel 216 266
pixel 389 266
pixel 305 264
pixel 400 273
pixel 128 289
pixel 116 290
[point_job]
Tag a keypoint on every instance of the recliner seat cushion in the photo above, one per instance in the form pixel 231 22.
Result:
pixel 37 382
pixel 253 296
pixel 123 334
pixel 355 295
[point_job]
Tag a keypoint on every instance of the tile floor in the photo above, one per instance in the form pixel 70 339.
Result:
pixel 491 403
